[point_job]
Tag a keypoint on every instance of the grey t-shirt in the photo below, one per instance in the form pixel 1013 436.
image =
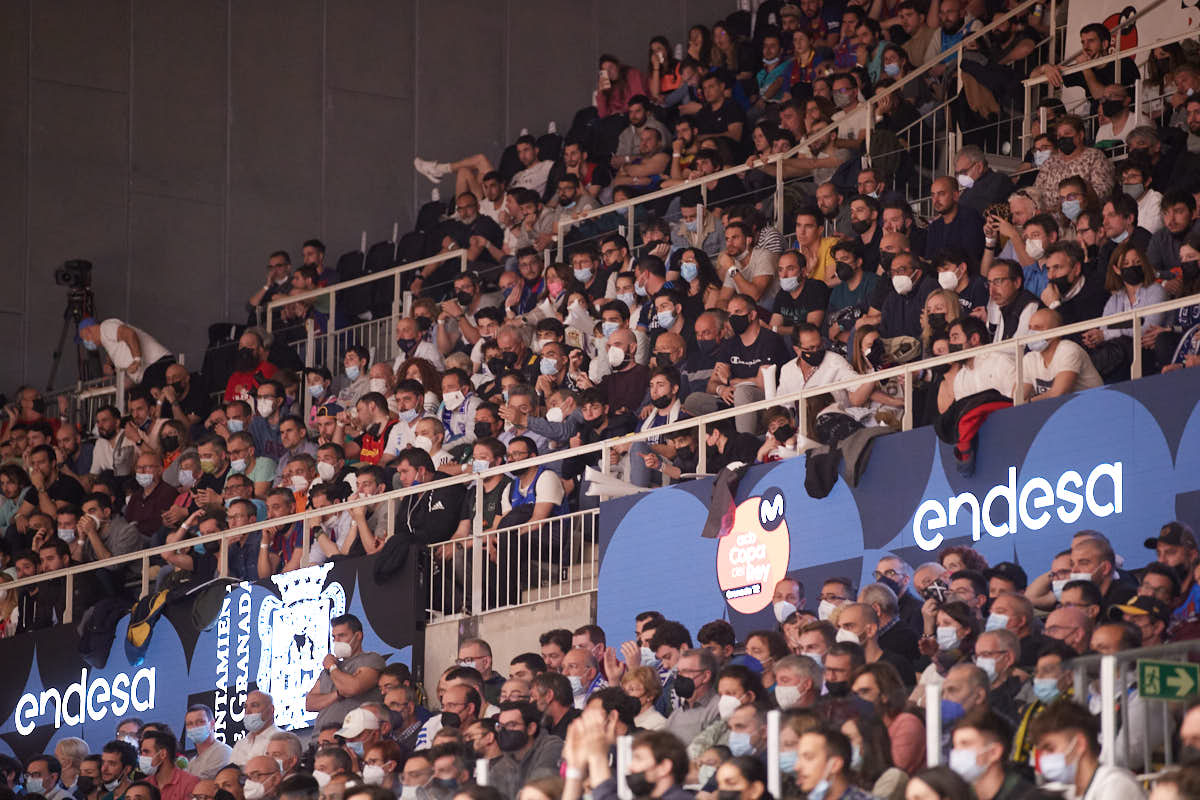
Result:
pixel 336 712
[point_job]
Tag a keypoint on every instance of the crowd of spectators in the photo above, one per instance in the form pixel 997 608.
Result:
pixel 850 680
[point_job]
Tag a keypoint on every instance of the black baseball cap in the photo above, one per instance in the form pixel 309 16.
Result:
pixel 1173 533
pixel 1143 604
pixel 1010 572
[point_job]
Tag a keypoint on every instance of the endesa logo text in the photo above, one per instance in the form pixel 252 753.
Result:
pixel 86 700
pixel 1030 504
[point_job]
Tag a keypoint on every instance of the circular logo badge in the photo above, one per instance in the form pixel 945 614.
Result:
pixel 754 555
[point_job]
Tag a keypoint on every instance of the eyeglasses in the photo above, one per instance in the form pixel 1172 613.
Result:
pixel 891 573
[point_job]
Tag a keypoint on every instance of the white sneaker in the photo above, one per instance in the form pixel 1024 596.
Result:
pixel 431 169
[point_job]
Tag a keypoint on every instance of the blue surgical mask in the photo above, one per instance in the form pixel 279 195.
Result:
pixel 583 275
pixel 34 785
pixel 237 466
pixel 1046 689
pixel 352 372
pixel 820 790
pixel 639 289
pixel 144 479
pixel 479 465
pixel 316 390
pixel 627 298
pixel 951 711
pixel 199 733
pixel 739 743
pixel 648 657
pixel 235 425
pixel 789 284
pixel 90 345
pixel 688 270
pixel 1072 209
pixel 891 70
pixel 947 637
pixel 357 747
pixel 145 764
pixel 253 722
pixel 691 225
pixel 549 366
pixel 787 762
pixel 995 622
pixel 706 772
pixel 1120 237
pixel 608 328
pixel 409 415
pixel 576 684
pixel 665 318
pixel 1040 157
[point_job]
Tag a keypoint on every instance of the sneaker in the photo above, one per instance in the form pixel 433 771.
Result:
pixel 431 169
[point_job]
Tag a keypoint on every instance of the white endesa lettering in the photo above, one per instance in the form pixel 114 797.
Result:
pixel 1030 505
pixel 84 701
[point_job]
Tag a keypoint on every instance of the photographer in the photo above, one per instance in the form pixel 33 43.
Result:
pixel 130 349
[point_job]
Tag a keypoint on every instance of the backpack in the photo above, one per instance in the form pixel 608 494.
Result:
pixel 97 630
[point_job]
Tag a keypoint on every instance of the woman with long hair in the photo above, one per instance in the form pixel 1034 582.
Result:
pixel 743 778
pixel 699 45
pixel 1132 283
pixel 698 274
pixel 871 761
pixel 941 308
pixel 938 783
pixel 1178 346
pixel 421 370
pixel 880 685
pixel 616 85
pixel 663 69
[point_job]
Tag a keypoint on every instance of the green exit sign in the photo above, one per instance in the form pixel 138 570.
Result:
pixel 1168 680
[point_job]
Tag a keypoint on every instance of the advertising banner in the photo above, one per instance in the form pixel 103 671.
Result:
pixel 1122 460
pixel 270 635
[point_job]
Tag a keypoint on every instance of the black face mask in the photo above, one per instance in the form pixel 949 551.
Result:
pixel 684 454
pixel 729 794
pixel 639 784
pixel 483 430
pixel 423 323
pixel 495 366
pixel 739 323
pixel 180 389
pixel 955 347
pixel 451 720
pixel 860 226
pixel 1190 270
pixel 837 688
pixel 845 272
pixel 510 741
pixel 1132 276
pixel 1066 144
pixel 170 443
pixel 783 433
pixel 662 402
pixel 464 298
pixel 885 260
pixel 662 359
pixel 245 360
pixel 1063 283
pixel 406 345
pixel 685 687
pixel 875 354
pixel 707 347
pixel 814 358
pixel 85 784
pixel 937 321
pixel 1092 251
pixel 1110 108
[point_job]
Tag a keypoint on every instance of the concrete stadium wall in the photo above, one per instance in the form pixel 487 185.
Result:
pixel 174 143
pixel 509 633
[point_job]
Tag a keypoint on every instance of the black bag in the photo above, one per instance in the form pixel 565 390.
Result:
pixel 98 629
pixel 353 301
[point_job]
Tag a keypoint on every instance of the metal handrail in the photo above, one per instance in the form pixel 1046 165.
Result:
pixel 906 371
pixel 330 291
pixel 777 159
pixel 1114 56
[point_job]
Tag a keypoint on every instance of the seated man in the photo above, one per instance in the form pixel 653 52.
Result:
pixel 988 371
pixel 1054 366
pixel 1067 738
pixel 899 310
pixel 1095 40
pixel 644 171
pixel 469 172
pixel 1011 305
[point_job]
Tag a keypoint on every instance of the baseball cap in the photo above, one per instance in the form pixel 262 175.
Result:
pixel 330 409
pixel 86 322
pixel 1143 604
pixel 357 721
pixel 789 10
pixel 1006 570
pixel 1173 533
pixel 749 662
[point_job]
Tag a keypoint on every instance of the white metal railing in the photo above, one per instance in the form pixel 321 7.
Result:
pixel 1112 58
pixel 1120 722
pixel 907 373
pixel 399 304
pixel 776 160
pixel 518 565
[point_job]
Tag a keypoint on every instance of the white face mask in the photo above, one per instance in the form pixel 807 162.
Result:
pixel 1034 248
pixel 422 443
pixel 299 483
pixel 340 650
pixel 326 470
pixel 373 774
pixel 378 385
pixel 903 284
pixel 726 705
pixel 616 356
pixel 253 790
pixel 554 414
pixel 947 280
pixel 454 400
pixel 844 635
pixel 265 406
pixel 783 610
pixel 323 778
pixel 825 610
pixel 787 696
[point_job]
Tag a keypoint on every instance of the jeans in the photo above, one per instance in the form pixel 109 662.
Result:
pixel 698 403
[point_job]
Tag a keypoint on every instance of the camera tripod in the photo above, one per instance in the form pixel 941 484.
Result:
pixel 81 303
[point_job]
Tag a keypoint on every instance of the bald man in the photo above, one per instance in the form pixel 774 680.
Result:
pixel 956 226
pixel 1070 625
pixel 1054 367
pixel 583 672
pixel 260 727
pixel 626 384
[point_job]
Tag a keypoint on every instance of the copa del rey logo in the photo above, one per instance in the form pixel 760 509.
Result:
pixel 753 555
